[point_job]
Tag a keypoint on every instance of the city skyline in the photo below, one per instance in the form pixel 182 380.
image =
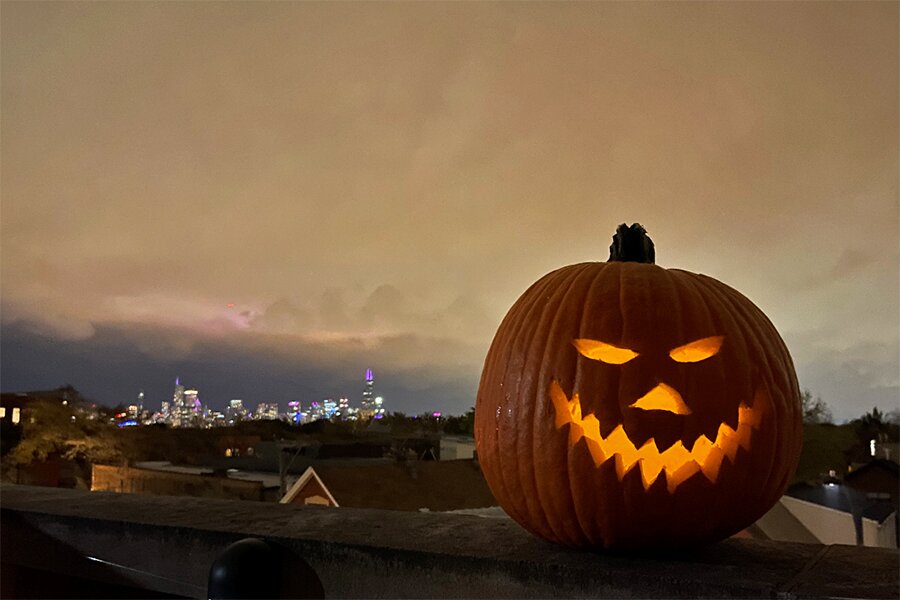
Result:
pixel 185 404
pixel 273 196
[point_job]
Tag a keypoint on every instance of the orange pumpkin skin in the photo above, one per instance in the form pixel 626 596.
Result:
pixel 563 481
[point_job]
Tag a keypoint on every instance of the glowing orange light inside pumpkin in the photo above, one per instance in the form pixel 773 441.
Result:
pixel 601 351
pixel 697 350
pixel 678 462
pixel 663 397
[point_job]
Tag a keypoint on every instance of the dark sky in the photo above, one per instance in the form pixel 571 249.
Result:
pixel 374 184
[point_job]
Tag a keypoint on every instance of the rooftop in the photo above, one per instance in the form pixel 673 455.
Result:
pixel 166 545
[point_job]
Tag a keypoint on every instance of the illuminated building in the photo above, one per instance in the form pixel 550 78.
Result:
pixel 317 411
pixel 330 407
pixel 294 414
pixel 176 412
pixel 235 411
pixel 266 410
pixel 379 408
pixel 344 411
pixel 193 410
pixel 367 408
pixel 214 418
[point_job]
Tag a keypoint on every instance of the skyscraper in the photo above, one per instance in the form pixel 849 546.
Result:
pixel 235 411
pixel 367 408
pixel 267 410
pixel 192 408
pixel 177 409
pixel 295 414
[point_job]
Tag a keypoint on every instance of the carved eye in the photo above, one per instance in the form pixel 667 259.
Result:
pixel 604 352
pixel 697 350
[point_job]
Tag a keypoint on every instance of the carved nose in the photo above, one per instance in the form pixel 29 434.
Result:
pixel 662 397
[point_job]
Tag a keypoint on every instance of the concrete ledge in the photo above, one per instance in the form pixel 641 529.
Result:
pixel 166 544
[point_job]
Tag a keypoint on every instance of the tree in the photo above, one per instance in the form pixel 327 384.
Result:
pixel 55 428
pixel 875 425
pixel 815 410
pixel 461 425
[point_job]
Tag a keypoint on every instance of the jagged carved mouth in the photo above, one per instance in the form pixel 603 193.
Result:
pixel 678 462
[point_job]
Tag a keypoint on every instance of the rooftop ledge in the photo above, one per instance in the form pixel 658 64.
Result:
pixel 165 546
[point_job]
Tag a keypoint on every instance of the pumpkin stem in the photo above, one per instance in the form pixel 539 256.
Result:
pixel 631 244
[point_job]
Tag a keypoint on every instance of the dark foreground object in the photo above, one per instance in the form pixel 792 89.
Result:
pixel 255 568
pixel 155 546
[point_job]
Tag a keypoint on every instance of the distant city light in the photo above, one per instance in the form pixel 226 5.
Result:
pixel 872 447
pixel 185 410
pixel 436 414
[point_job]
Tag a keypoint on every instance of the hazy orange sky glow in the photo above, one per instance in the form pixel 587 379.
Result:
pixel 374 184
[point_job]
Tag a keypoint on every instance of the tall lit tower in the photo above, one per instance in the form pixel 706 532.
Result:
pixel 367 409
pixel 192 408
pixel 177 409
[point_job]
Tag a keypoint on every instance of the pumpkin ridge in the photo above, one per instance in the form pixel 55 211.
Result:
pixel 744 348
pixel 705 323
pixel 539 344
pixel 746 313
pixel 735 336
pixel 621 332
pixel 511 477
pixel 785 442
pixel 599 273
pixel 520 347
pixel 495 367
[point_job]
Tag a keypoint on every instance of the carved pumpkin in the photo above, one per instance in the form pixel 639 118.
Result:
pixel 623 405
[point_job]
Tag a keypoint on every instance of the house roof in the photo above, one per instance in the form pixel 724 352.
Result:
pixel 879 464
pixel 830 496
pixel 434 485
pixel 844 499
pixel 308 474
pixel 879 511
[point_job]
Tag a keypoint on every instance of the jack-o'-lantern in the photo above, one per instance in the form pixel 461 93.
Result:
pixel 623 405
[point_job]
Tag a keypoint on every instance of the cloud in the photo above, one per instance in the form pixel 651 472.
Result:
pixel 854 379
pixel 414 373
pixel 357 177
pixel 282 315
pixel 385 311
